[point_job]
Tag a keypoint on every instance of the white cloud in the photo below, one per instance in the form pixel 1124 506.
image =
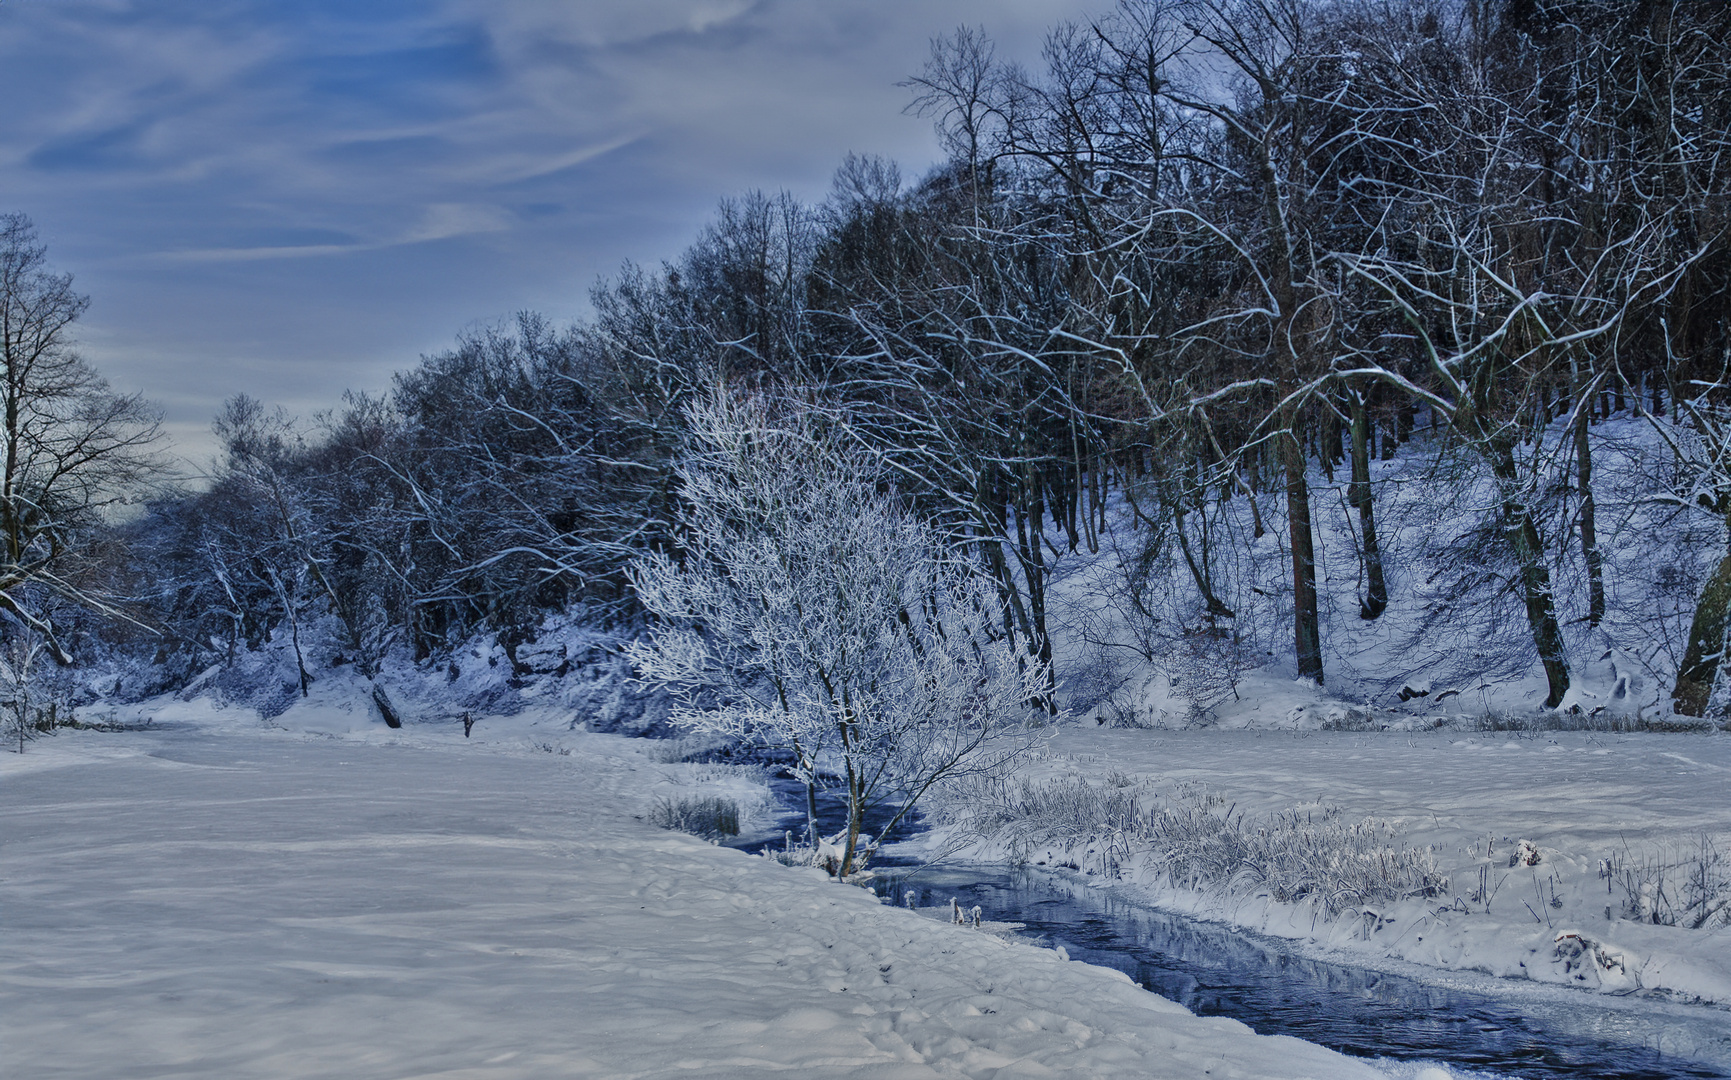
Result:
pixel 514 167
pixel 253 254
pixel 439 221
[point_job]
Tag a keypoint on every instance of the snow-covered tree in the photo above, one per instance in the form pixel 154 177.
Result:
pixel 18 685
pixel 809 610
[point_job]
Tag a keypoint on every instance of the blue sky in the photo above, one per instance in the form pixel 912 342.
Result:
pixel 293 199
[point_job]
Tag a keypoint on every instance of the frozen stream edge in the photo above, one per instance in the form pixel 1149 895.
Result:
pixel 1697 1035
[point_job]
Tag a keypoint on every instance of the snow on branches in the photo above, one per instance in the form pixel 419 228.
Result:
pixel 810 610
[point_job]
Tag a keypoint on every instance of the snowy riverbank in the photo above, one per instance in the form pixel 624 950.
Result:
pixel 213 899
pixel 1579 799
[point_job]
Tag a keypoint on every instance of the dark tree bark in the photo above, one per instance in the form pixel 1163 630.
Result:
pixel 1375 600
pixel 1529 551
pixel 1706 648
pixel 387 709
pixel 1595 559
pixel 1307 625
pixel 1201 573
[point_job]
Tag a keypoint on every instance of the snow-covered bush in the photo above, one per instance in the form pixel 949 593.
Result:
pixel 825 853
pixel 28 704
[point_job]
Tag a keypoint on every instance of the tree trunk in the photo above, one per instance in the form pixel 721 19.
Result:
pixel 1256 527
pixel 1528 548
pixel 1375 600
pixel 1201 574
pixel 1589 533
pixel 855 818
pixel 1307 630
pixel 1032 561
pixel 386 708
pixel 1328 445
pixel 288 607
pixel 1706 648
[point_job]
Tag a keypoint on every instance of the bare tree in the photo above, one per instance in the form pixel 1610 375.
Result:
pixel 1700 440
pixel 260 526
pixel 70 447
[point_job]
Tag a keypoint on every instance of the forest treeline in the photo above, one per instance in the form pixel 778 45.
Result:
pixel 1210 251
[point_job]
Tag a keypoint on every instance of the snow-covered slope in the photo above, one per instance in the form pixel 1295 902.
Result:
pixel 1454 628
pixel 253 903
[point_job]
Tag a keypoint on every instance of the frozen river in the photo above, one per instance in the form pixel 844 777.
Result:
pixel 1473 1025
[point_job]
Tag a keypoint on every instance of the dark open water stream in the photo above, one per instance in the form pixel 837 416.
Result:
pixel 1215 970
pixel 1470 1024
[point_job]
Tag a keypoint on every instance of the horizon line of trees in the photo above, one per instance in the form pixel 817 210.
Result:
pixel 1213 247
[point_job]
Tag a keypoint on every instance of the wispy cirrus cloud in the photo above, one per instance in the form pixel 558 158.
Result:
pixel 291 199
pixel 442 221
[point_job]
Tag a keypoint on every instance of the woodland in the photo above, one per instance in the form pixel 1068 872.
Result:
pixel 1209 257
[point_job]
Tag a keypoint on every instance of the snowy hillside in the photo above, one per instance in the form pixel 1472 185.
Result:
pixel 1137 646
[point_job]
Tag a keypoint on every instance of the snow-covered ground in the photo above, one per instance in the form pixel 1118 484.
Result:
pixel 215 898
pixel 1577 798
pixel 318 895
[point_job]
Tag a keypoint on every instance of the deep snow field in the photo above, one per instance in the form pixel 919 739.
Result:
pixel 320 896
pixel 283 887
pixel 218 898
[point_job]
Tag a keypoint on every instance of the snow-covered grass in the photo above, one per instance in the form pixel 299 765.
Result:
pixel 708 816
pixel 1194 840
pixel 1685 884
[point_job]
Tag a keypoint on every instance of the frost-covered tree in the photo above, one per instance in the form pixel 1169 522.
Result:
pixel 809 610
pixel 18 685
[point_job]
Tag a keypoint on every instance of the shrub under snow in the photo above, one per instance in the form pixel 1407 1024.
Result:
pixel 708 816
